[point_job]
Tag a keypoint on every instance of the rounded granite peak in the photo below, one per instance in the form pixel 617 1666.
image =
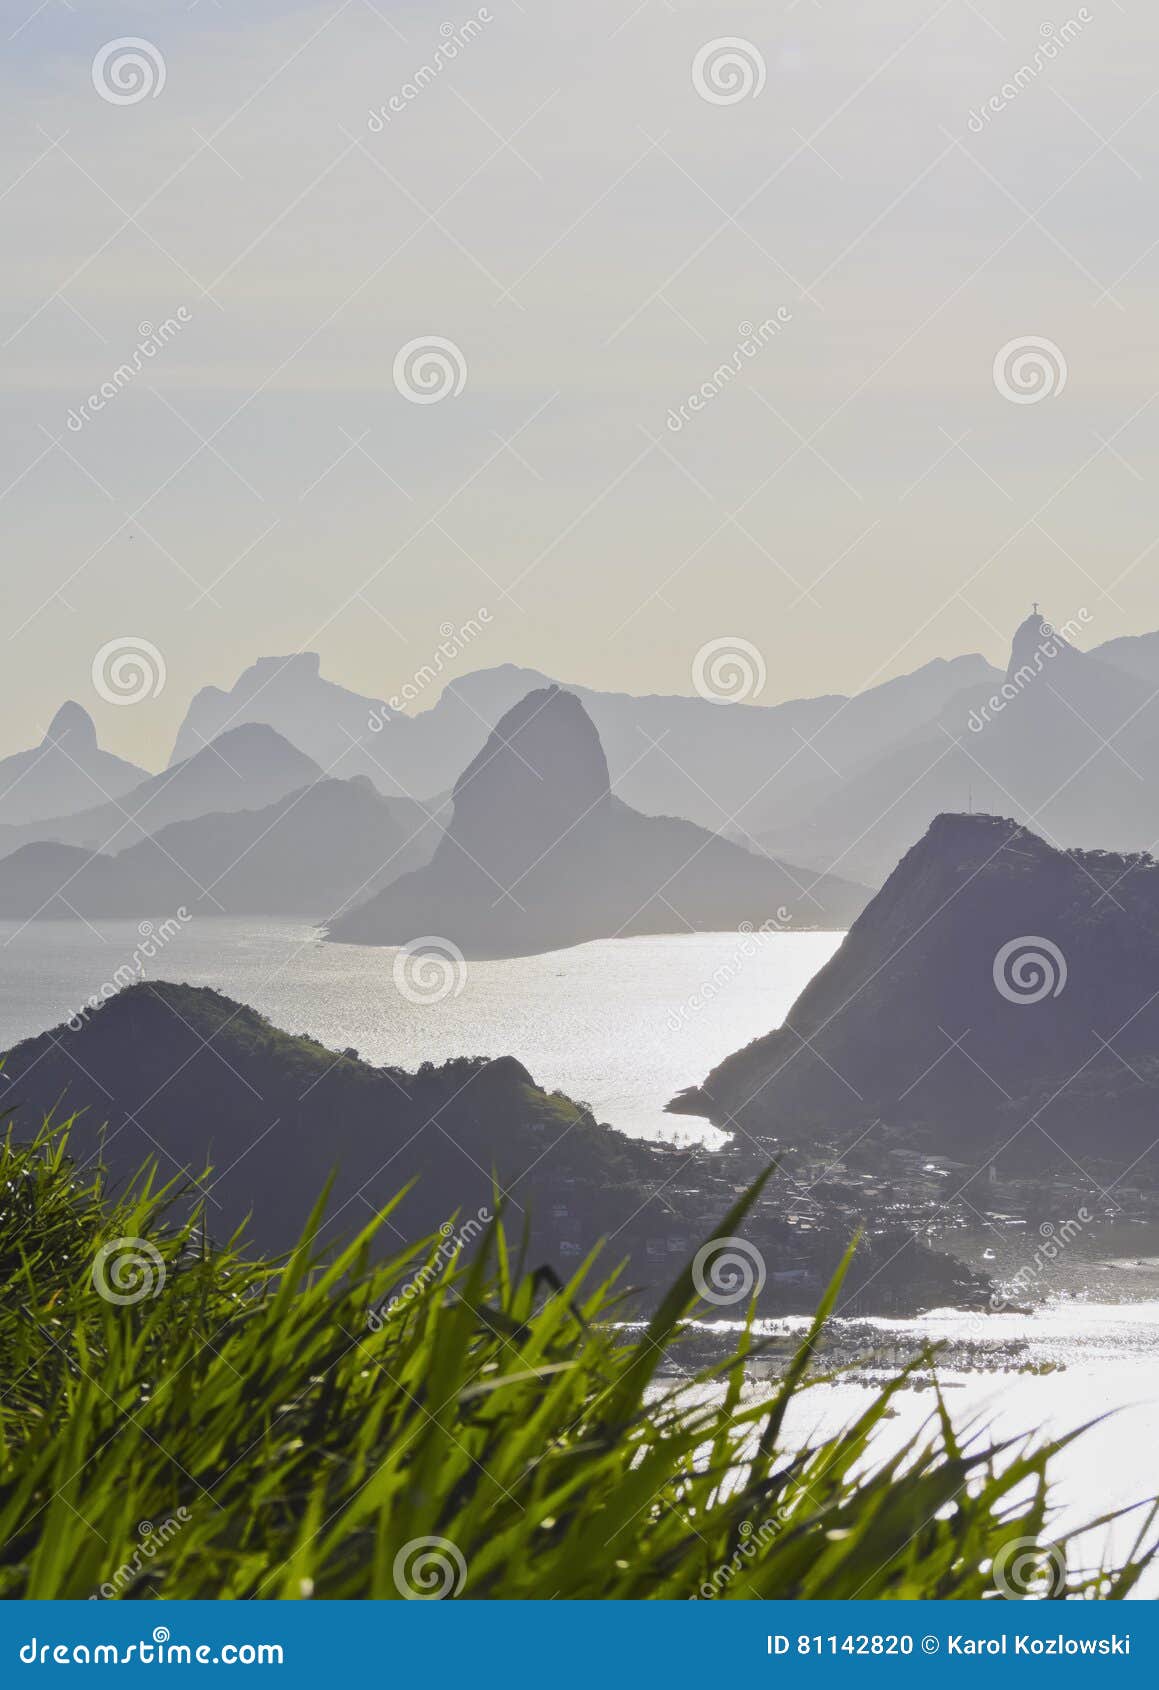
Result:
pixel 72 722
pixel 545 742
pixel 541 772
pixel 1035 642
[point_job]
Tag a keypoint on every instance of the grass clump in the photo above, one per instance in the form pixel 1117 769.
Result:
pixel 179 1420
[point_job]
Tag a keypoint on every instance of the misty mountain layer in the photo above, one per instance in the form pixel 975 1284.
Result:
pixel 540 853
pixel 1067 743
pixel 307 855
pixel 722 764
pixel 245 769
pixel 66 772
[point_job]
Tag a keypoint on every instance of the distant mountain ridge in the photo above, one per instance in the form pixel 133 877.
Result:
pixel 838 784
pixel 672 755
pixel 309 854
pixel 1067 743
pixel 997 995
pixel 540 853
pixel 245 769
pixel 348 733
pixel 1135 654
pixel 66 772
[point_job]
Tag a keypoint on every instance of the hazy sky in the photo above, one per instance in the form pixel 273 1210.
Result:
pixel 563 204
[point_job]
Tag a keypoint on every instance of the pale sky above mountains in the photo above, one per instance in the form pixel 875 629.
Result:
pixel 563 205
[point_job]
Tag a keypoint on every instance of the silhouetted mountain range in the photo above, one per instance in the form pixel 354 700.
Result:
pixel 539 854
pixel 189 1077
pixel 66 772
pixel 1068 744
pixel 308 854
pixel 245 769
pixel 347 733
pixel 716 764
pixel 997 996
pixel 1136 654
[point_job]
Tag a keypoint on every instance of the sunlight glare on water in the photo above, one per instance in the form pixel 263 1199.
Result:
pixel 621 1024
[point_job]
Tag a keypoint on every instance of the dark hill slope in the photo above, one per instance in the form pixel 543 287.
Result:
pixel 935 1018
pixel 190 1077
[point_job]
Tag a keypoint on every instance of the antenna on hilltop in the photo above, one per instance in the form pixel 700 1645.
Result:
pixel 1034 612
pixel 970 799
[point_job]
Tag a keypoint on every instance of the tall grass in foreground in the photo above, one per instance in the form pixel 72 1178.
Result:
pixel 240 1429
